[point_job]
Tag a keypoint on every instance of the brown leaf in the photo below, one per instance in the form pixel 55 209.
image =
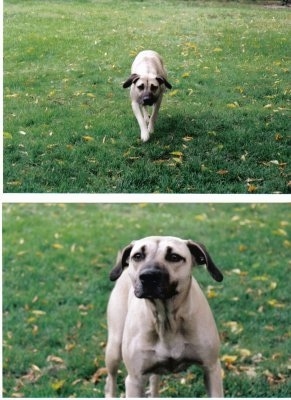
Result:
pixel 98 374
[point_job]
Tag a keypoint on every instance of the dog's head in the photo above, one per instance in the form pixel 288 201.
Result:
pixel 147 88
pixel 160 266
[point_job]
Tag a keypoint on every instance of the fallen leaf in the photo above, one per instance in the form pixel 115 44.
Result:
pixel 98 374
pixel 55 359
pixel 88 138
pixel 57 385
pixel 252 188
pixel 234 326
pixel 187 138
pixel 177 153
pixel 233 105
pixel 173 93
pixel 275 303
pixel 186 75
pixel 38 312
pixel 228 359
pixel 280 232
pixel 57 246
pixel 222 172
pixel 7 135
pixel 200 217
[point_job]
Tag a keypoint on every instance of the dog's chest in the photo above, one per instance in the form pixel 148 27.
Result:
pixel 171 358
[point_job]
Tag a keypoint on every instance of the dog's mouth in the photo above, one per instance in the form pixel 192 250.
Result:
pixel 154 284
pixel 147 100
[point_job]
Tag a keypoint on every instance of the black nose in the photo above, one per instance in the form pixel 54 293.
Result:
pixel 148 101
pixel 151 276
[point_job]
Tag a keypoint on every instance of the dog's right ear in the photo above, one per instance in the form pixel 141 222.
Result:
pixel 132 79
pixel 121 263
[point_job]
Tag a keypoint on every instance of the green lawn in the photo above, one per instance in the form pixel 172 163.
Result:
pixel 223 128
pixel 56 260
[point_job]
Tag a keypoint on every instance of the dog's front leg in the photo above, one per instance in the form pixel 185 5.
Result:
pixel 144 132
pixel 134 386
pixel 154 115
pixel 213 380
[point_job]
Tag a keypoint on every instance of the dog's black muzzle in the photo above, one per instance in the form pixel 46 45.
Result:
pixel 154 283
pixel 148 100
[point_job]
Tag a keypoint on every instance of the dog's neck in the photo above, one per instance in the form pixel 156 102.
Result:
pixel 166 315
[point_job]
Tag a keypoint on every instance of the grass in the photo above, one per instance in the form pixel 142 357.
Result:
pixel 56 260
pixel 224 127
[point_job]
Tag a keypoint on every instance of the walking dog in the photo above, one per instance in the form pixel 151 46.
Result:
pixel 148 82
pixel 159 320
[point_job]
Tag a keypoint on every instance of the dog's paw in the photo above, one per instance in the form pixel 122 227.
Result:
pixel 145 136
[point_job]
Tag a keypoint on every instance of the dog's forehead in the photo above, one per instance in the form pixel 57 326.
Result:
pixel 147 80
pixel 160 243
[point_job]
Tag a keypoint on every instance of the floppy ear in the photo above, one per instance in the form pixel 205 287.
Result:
pixel 132 79
pixel 161 80
pixel 202 257
pixel 121 262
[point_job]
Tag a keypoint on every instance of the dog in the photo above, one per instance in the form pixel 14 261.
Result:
pixel 148 82
pixel 159 320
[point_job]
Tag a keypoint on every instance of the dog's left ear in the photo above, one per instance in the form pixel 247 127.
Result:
pixel 162 80
pixel 132 79
pixel 202 257
pixel 121 262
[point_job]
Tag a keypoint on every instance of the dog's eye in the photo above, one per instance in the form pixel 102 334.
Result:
pixel 173 257
pixel 154 88
pixel 138 256
pixel 141 87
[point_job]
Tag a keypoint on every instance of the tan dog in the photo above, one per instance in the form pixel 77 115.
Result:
pixel 148 81
pixel 159 320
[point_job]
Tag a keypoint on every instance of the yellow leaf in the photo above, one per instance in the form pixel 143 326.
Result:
pixel 200 217
pixel 233 105
pixel 211 294
pixel 57 385
pixel 173 92
pixel 228 359
pixel 7 135
pixel 234 326
pixel 244 352
pixel 57 246
pixel 280 232
pixel 91 95
pixel 38 312
pixel 273 285
pixel 242 248
pixel 177 153
pixel 287 243
pixel 275 303
pixel 268 106
pixel 186 75
pixel 88 138
pixel 217 49
pixel 70 346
